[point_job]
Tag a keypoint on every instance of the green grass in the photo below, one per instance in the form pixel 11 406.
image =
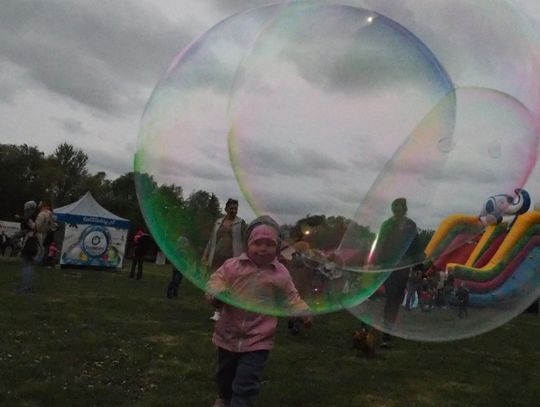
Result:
pixel 94 338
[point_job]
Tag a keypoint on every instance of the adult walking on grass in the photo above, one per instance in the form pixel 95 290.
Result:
pixel 35 224
pixel 226 241
pixel 176 279
pixel 185 250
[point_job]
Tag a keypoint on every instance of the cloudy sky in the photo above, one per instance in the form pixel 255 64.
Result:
pixel 82 72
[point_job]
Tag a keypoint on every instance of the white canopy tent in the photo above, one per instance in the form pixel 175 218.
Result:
pixel 93 236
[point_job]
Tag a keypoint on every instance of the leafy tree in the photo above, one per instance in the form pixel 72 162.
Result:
pixel 98 185
pixel 202 210
pixel 123 200
pixel 52 177
pixel 20 178
pixel 73 162
pixel 327 233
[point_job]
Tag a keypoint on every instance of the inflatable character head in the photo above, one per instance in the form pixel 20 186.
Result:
pixel 498 206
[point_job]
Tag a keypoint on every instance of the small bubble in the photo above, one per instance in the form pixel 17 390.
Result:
pixel 446 145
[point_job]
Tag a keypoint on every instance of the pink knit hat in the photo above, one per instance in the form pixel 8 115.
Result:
pixel 263 232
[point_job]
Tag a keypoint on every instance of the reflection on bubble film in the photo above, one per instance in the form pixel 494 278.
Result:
pixel 358 133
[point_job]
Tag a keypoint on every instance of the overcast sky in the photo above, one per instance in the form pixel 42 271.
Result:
pixel 82 72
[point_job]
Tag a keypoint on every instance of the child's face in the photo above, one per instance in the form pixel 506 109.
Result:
pixel 262 251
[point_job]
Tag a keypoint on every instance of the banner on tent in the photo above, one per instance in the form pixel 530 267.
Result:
pixel 93 245
pixel 91 220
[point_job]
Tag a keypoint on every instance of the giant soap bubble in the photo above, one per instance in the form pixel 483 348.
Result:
pixel 484 43
pixel 291 158
pixel 320 115
pixel 502 283
pixel 497 132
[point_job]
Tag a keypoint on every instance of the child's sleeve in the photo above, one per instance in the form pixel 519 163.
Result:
pixel 292 296
pixel 217 283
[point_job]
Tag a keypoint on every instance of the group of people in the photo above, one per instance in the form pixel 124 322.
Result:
pixel 429 289
pixel 240 257
pixel 397 248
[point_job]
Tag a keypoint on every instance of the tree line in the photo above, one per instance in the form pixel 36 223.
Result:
pixel 62 177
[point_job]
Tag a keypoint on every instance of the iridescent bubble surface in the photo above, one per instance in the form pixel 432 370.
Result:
pixel 426 308
pixel 321 115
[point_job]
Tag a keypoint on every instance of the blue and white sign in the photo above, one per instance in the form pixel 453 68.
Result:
pixel 91 245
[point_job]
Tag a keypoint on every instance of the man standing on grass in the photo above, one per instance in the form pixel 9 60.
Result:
pixel 397 245
pixel 142 241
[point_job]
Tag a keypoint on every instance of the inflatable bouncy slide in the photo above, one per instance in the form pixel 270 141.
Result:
pixel 498 263
pixel 480 272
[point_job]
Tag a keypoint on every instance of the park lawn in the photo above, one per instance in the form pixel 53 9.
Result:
pixel 97 338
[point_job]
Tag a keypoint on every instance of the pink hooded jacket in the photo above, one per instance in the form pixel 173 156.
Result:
pixel 239 330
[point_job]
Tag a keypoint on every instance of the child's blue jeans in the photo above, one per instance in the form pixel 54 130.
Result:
pixel 238 376
pixel 27 272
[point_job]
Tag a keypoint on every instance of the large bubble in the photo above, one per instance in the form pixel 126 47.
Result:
pixel 322 101
pixel 497 122
pixel 484 43
pixel 287 154
pixel 321 115
pixel 499 264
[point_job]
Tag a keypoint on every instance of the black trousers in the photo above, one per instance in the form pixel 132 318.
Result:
pixel 238 376
pixel 394 288
pixel 136 262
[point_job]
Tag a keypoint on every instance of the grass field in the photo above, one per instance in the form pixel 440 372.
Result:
pixel 94 338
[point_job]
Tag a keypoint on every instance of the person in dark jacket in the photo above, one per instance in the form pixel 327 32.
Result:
pixel 142 242
pixel 397 245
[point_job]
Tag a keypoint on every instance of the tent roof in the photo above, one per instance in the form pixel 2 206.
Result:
pixel 87 206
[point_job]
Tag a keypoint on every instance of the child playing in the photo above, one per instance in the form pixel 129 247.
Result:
pixel 52 252
pixel 245 338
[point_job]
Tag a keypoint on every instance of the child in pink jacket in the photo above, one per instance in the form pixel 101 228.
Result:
pixel 245 338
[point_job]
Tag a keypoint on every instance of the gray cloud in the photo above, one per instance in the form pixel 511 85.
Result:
pixel 292 207
pixel 234 6
pixel 261 160
pixel 108 57
pixel 111 162
pixel 72 126
pixel 197 173
pixel 98 55
pixel 7 92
